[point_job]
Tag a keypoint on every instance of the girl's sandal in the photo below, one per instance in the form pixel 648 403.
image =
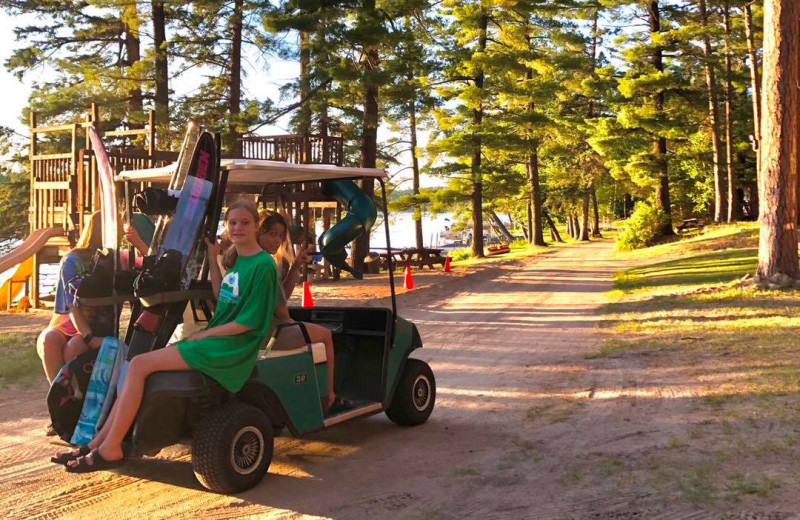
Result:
pixel 98 463
pixel 65 458
pixel 340 404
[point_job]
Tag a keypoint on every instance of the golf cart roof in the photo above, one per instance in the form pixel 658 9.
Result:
pixel 259 171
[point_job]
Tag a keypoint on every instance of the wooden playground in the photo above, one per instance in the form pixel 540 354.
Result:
pixel 64 188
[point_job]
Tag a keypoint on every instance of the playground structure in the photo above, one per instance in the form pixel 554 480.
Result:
pixel 64 188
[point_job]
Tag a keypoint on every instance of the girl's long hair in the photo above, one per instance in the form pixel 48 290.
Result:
pixel 91 239
pixel 230 256
pixel 285 253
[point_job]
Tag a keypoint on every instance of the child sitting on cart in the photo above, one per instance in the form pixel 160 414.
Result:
pixel 273 237
pixel 226 350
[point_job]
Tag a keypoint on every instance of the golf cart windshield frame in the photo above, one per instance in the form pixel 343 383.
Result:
pixel 157 175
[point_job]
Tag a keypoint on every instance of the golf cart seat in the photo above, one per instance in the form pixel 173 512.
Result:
pixel 317 351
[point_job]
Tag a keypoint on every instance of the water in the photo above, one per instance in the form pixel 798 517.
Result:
pixel 402 231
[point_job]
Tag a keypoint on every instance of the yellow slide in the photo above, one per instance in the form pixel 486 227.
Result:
pixel 21 260
pixel 22 272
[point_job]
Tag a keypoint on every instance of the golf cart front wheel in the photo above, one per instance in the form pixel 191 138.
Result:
pixel 415 396
pixel 232 448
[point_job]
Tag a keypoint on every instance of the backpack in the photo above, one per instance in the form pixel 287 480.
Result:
pixel 66 395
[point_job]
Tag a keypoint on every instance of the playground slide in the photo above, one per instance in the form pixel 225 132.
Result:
pixel 21 273
pixel 21 257
pixel 361 215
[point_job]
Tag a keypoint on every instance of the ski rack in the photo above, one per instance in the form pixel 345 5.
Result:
pixel 176 296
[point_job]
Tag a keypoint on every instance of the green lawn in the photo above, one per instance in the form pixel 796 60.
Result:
pixel 681 316
pixel 20 364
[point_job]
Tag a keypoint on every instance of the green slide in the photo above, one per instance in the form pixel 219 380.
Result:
pixel 361 215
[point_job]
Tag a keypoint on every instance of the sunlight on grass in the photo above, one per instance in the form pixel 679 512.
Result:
pixel 722 236
pixel 20 363
pixel 732 352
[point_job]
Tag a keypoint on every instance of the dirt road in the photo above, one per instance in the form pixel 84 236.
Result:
pixel 519 430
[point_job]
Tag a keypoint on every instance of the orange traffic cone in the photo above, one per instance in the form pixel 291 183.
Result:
pixel 408 280
pixel 447 264
pixel 307 301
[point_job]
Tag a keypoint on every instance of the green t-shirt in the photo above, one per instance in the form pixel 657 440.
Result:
pixel 247 296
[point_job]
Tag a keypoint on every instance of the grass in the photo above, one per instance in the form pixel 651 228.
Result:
pixel 734 351
pixel 555 410
pixel 519 249
pixel 20 365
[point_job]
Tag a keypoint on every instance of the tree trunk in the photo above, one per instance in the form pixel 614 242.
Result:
pixel 130 24
pixel 568 222
pixel 575 226
pixel 584 232
pixel 713 116
pixel 660 144
pixel 754 206
pixel 595 215
pixel 529 223
pixel 535 197
pixel 777 247
pixel 500 226
pixel 304 111
pixel 555 236
pixel 627 205
pixel 475 167
pixel 734 206
pixel 235 70
pixel 369 158
pixel 755 84
pixel 536 230
pixel 369 134
pixel 412 124
pixel 161 65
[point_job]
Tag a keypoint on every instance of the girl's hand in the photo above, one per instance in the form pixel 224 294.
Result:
pixel 212 249
pixel 302 256
pixel 133 238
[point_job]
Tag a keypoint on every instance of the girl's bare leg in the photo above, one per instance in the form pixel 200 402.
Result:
pixel 127 405
pixel 50 346
pixel 319 334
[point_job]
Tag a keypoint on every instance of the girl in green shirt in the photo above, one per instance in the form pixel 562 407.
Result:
pixel 225 350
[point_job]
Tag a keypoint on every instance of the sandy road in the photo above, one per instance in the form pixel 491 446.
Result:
pixel 515 408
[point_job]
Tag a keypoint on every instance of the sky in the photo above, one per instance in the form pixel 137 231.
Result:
pixel 15 94
pixel 258 82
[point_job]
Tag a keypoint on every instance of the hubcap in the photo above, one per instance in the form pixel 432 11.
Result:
pixel 421 393
pixel 247 450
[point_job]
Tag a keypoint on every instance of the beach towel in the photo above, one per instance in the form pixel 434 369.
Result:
pixel 120 363
pixel 97 391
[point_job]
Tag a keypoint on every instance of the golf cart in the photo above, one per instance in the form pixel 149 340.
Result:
pixel 232 434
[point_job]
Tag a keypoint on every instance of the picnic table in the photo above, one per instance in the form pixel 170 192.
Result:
pixel 690 223
pixel 414 257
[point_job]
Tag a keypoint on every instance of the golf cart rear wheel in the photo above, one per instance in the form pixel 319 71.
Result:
pixel 232 448
pixel 414 398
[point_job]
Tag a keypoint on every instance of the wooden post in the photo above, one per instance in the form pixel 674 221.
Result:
pixel 33 213
pixel 73 197
pixel 326 224
pixel 151 138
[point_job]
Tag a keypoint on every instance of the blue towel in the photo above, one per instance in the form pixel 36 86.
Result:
pixel 120 363
pixel 97 391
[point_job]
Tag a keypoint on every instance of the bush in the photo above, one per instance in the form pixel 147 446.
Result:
pixel 459 254
pixel 643 228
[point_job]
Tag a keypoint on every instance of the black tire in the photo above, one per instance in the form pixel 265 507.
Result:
pixel 415 396
pixel 232 448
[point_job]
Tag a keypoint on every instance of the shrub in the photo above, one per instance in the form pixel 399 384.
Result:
pixel 643 228
pixel 459 254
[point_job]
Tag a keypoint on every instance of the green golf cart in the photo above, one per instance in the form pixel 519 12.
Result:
pixel 232 434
